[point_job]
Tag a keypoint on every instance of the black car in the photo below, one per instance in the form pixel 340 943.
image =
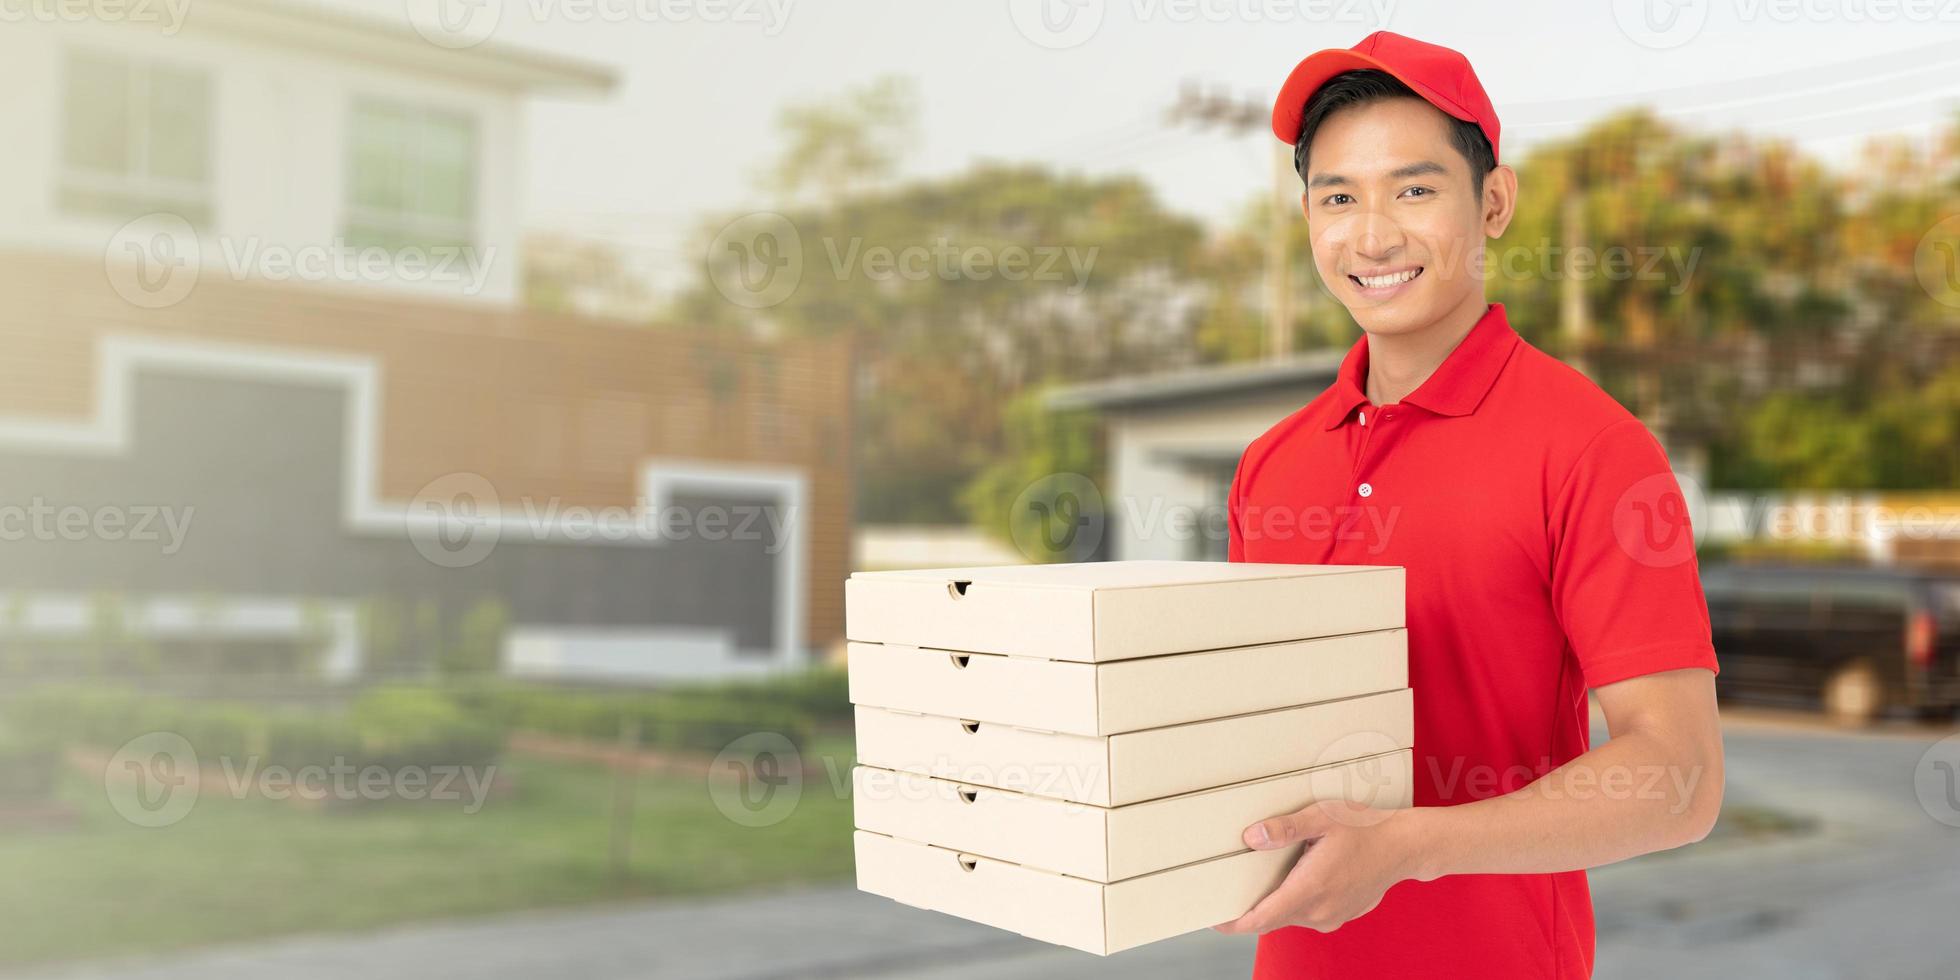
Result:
pixel 1861 641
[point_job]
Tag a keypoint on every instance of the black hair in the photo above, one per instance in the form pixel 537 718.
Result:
pixel 1362 86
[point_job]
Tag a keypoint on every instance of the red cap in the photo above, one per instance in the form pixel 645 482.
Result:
pixel 1441 75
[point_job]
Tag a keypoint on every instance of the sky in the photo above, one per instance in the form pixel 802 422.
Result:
pixel 1085 85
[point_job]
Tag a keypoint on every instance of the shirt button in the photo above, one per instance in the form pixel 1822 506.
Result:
pixel 1367 489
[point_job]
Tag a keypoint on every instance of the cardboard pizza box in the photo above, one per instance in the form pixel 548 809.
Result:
pixel 1100 611
pixel 1131 767
pixel 1108 844
pixel 1126 695
pixel 1091 916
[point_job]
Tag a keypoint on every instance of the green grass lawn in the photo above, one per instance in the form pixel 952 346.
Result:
pixel 238 870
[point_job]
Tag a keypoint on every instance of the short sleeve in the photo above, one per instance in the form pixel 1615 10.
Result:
pixel 1625 583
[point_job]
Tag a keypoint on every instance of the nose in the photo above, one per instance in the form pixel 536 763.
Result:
pixel 1379 237
pixel 1370 235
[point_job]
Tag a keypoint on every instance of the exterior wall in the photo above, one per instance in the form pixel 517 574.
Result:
pixel 547 411
pixel 1162 503
pixel 280 153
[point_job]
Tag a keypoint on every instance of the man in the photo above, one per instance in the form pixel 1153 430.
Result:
pixel 1547 551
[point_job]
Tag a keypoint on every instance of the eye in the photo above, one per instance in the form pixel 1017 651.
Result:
pixel 1420 190
pixel 1333 199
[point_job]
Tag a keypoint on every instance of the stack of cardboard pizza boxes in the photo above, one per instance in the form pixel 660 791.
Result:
pixel 1072 752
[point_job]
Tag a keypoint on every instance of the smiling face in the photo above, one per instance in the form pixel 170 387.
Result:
pixel 1398 230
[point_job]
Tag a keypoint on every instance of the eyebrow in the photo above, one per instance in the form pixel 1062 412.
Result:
pixel 1404 172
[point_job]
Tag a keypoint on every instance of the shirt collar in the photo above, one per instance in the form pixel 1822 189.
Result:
pixel 1457 385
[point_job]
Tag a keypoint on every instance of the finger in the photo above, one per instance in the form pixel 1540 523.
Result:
pixel 1289 828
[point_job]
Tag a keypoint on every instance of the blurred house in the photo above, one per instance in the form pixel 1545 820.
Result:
pixel 264 375
pixel 882 547
pixel 1174 440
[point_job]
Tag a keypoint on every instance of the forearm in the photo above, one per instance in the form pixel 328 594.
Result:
pixel 1637 793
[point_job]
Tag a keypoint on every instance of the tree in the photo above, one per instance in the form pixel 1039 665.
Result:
pixel 1039 445
pixel 840 147
pixel 961 291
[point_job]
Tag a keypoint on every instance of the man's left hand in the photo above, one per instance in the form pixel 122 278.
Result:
pixel 1353 854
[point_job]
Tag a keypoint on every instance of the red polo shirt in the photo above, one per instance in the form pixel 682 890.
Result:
pixel 1548 551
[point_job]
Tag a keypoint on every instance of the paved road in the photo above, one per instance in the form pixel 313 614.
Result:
pixel 1872 892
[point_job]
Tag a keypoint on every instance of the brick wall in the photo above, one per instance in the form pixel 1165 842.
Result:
pixel 543 406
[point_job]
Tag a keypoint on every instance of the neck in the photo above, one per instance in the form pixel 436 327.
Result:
pixel 1399 363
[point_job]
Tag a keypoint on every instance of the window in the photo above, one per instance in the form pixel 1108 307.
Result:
pixel 412 177
pixel 136 138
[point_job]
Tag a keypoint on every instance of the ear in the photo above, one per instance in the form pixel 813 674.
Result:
pixel 1303 206
pixel 1500 203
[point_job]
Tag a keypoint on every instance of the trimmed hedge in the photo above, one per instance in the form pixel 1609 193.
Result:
pixel 673 719
pixel 824 693
pixel 386 727
pixel 429 725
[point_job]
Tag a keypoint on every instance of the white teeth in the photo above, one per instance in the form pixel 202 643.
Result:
pixel 1376 282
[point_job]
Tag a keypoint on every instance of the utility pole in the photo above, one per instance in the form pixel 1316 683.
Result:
pixel 1575 320
pixel 1236 117
pixel 1279 284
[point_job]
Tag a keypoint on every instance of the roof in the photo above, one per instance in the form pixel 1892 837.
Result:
pixel 404 42
pixel 1171 389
